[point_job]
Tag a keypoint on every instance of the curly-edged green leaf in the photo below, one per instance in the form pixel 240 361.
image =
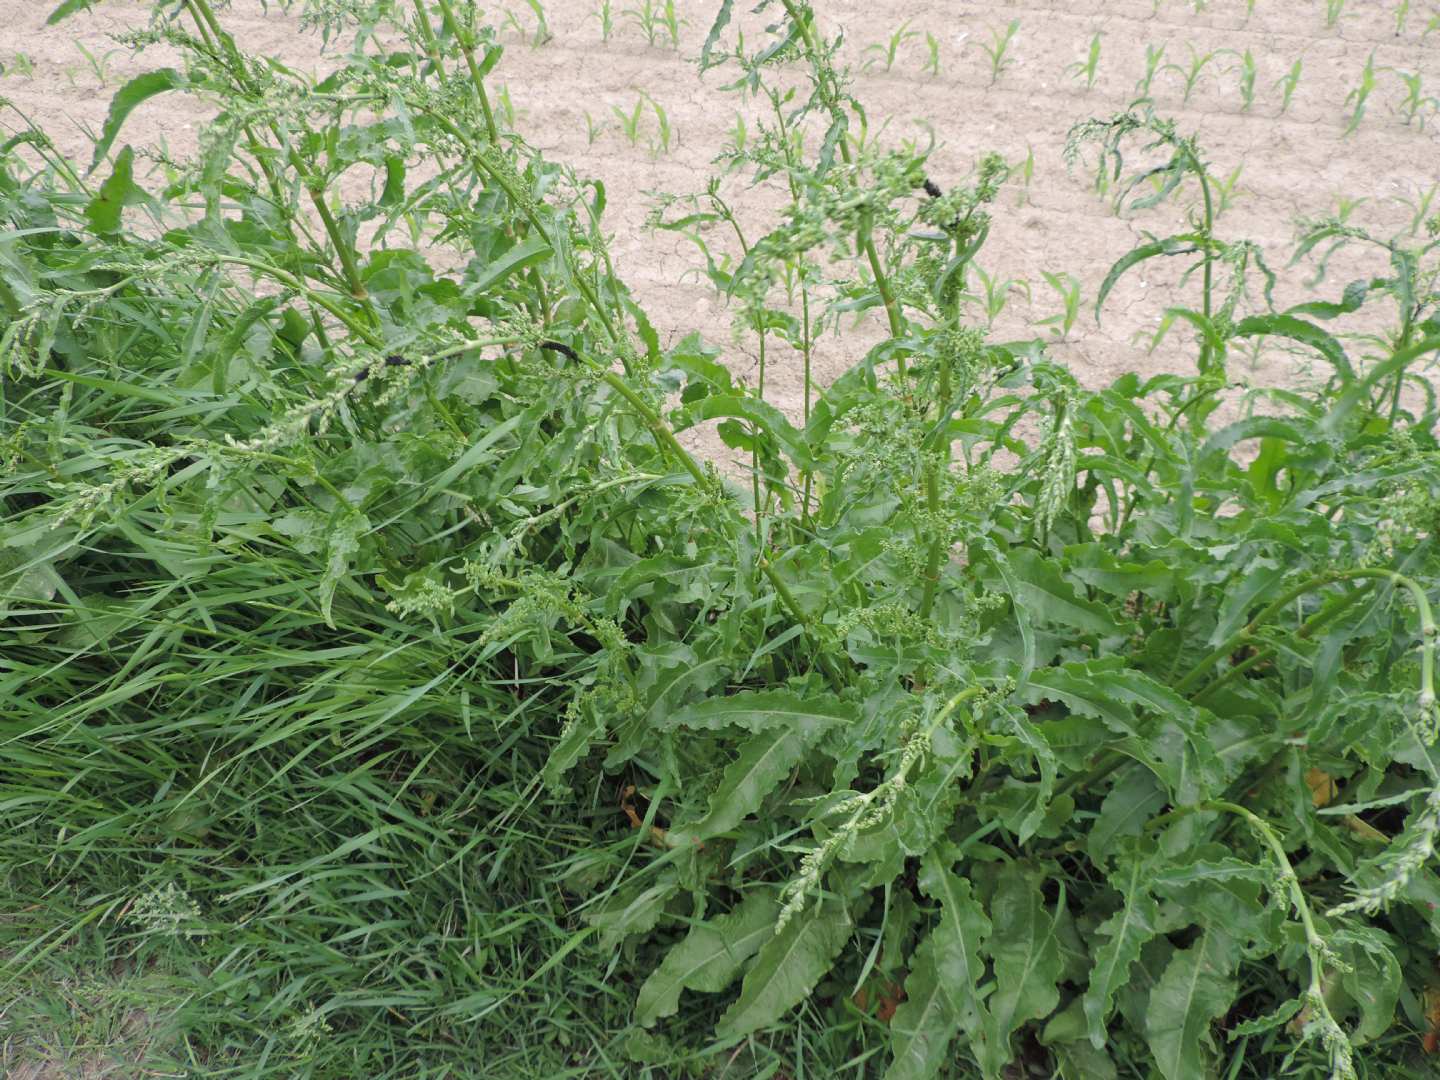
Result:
pixel 1077 686
pixel 1254 427
pixel 68 8
pixel 1098 568
pixel 763 710
pixel 1048 597
pixel 924 1024
pixel 1307 333
pixel 722 19
pixel 761 414
pixel 126 100
pixel 1026 953
pixel 1137 921
pixel 1171 245
pixel 709 958
pixel 1241 596
pixel 1209 333
pixel 765 760
pixel 788 967
pixel 574 743
pixel 1075 1058
pixel 1135 797
pixel 635 910
pixel 1197 988
pixel 1373 979
pixel 1350 301
pixel 337 536
pixel 482 277
pixel 956 938
pixel 103 212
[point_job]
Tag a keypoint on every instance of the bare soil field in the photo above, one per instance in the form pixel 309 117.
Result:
pixel 1281 163
pixel 1281 159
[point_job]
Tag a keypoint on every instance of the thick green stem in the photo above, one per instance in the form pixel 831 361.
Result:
pixel 787 598
pixel 467 47
pixel 1207 264
pixel 1309 628
pixel 427 35
pixel 1319 581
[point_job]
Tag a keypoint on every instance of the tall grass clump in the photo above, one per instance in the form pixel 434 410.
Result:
pixel 388 692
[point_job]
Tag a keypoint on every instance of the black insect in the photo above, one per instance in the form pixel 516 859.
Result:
pixel 390 361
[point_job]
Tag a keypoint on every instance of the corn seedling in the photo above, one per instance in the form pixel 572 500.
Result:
pixel 672 23
pixel 630 121
pixel 1334 11
pixel 1225 191
pixel 997 52
pixel 1356 99
pixel 99 64
pixel 1345 207
pixel 1416 105
pixel 1154 57
pixel 541 33
pixel 1419 208
pixel 886 52
pixel 605 15
pixel 1088 68
pixel 1402 16
pixel 996 293
pixel 1190 75
pixel 1067 287
pixel 655 21
pixel 592 130
pixel 739 136
pixel 504 107
pixel 20 64
pixel 1024 174
pixel 1288 83
pixel 1247 73
pixel 932 55
pixel 663 132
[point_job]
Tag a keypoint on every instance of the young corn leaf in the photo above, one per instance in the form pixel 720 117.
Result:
pixel 709 958
pixel 788 967
pixel 1026 955
pixel 1197 988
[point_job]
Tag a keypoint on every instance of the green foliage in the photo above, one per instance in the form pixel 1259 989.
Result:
pixel 997 52
pixel 1089 68
pixel 888 51
pixel 386 680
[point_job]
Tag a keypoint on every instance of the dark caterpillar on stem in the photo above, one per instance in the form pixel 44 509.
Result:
pixel 396 360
